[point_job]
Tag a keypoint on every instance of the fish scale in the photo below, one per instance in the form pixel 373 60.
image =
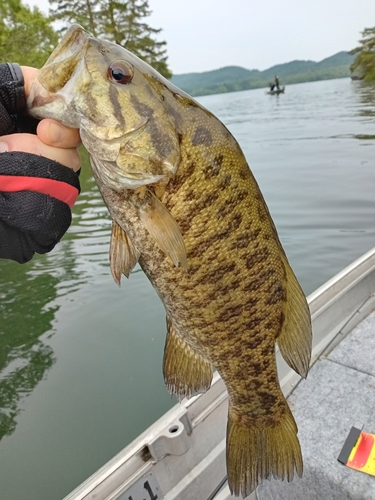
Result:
pixel 185 204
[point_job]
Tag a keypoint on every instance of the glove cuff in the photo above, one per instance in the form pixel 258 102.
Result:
pixel 13 102
pixel 12 90
pixel 19 87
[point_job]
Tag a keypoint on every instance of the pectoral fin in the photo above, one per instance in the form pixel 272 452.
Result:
pixel 162 227
pixel 123 255
pixel 186 373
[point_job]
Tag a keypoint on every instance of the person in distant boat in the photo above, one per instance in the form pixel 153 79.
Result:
pixel 277 83
pixel 39 168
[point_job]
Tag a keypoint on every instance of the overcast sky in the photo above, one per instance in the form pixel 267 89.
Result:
pixel 208 34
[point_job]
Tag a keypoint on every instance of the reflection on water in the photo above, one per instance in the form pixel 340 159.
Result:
pixel 80 358
pixel 364 137
pixel 24 358
pixel 365 92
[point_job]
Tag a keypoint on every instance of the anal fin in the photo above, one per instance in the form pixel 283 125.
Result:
pixel 123 255
pixel 186 373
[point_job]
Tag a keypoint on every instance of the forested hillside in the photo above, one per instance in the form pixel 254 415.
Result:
pixel 233 78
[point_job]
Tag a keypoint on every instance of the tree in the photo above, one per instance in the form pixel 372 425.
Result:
pixel 364 63
pixel 26 35
pixel 87 13
pixel 119 21
pixel 124 25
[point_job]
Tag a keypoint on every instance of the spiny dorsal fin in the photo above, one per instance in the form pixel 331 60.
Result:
pixel 295 339
pixel 186 373
pixel 123 255
pixel 162 227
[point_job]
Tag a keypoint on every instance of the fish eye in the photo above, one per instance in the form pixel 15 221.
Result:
pixel 120 72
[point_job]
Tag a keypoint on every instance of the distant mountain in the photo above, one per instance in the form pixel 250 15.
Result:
pixel 234 78
pixel 190 81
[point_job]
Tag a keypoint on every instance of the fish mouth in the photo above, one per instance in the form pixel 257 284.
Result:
pixel 51 94
pixel 63 61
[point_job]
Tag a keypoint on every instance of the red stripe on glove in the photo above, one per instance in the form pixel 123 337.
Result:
pixel 57 189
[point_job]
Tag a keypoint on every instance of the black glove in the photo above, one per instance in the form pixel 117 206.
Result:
pixel 36 193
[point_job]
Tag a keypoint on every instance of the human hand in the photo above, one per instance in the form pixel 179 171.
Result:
pixel 51 140
pixel 37 190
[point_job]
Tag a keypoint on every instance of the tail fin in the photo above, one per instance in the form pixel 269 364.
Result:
pixel 256 453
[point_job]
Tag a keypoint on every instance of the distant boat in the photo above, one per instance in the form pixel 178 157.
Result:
pixel 277 91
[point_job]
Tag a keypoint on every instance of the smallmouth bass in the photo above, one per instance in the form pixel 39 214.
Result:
pixel 185 205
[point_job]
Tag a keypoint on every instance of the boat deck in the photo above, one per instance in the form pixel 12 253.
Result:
pixel 338 393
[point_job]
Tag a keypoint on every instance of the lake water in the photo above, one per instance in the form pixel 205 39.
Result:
pixel 80 358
